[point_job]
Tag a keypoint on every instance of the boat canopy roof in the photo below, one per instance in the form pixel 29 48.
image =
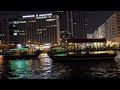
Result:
pixel 57 47
pixel 18 49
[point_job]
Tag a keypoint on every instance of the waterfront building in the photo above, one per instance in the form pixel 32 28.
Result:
pixel 36 29
pixel 72 25
pixel 96 34
pixel 102 31
pixel 113 27
pixel 90 36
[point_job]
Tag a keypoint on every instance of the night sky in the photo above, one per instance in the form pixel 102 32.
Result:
pixel 94 18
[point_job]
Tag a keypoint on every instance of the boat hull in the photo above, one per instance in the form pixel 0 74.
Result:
pixel 88 57
pixel 13 57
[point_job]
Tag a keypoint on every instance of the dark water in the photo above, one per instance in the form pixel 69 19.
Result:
pixel 46 69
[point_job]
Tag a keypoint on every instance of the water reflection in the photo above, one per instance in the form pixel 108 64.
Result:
pixel 1 59
pixel 3 68
pixel 36 69
pixel 45 68
pixel 19 69
pixel 104 70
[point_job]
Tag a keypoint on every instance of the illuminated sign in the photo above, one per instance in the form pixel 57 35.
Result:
pixel 42 16
pixel 28 16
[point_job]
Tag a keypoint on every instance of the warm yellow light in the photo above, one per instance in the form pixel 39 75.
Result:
pixel 70 43
pixel 55 44
pixel 28 41
pixel 12 44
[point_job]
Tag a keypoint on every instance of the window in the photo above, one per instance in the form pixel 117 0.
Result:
pixel 15 34
pixel 13 25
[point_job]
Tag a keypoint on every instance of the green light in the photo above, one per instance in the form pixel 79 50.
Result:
pixel 19 49
pixel 18 64
pixel 60 55
pixel 19 68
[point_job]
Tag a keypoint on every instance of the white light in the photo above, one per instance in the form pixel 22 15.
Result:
pixel 27 45
pixel 45 14
pixel 28 16
pixel 50 20
pixel 19 46
pixel 47 44
pixel 36 15
pixel 32 21
pixel 15 34
pixel 22 21
pixel 13 25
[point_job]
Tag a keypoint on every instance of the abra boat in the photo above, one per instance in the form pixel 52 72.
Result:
pixel 85 57
pixel 21 56
pixel 61 55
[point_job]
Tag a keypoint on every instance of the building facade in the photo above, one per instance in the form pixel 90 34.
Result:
pixel 102 31
pixel 96 34
pixel 113 27
pixel 72 24
pixel 4 29
pixel 90 36
pixel 36 29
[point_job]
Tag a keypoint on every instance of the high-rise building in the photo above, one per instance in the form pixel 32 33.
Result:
pixel 72 24
pixel 4 29
pixel 113 27
pixel 102 31
pixel 13 31
pixel 35 29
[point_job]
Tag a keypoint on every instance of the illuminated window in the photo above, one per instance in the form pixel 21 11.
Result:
pixel 15 34
pixel 33 21
pixel 13 25
pixel 22 33
pixel 0 34
pixel 16 30
pixel 50 20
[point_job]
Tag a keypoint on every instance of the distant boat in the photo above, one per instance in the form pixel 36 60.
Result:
pixel 12 57
pixel 22 56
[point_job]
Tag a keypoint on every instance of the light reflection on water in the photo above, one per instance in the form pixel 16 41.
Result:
pixel 44 68
pixel 36 69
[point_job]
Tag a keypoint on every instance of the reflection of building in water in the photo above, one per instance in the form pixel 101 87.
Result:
pixel 1 59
